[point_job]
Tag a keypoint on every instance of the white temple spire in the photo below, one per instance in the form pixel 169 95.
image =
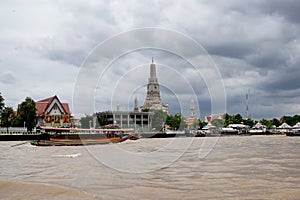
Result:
pixel 192 109
pixel 136 107
pixel 153 100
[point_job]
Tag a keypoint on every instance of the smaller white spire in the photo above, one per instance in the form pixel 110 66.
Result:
pixel 192 109
pixel 136 107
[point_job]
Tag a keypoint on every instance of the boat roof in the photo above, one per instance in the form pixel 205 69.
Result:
pixel 86 130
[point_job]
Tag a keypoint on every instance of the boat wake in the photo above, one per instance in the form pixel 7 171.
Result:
pixel 67 156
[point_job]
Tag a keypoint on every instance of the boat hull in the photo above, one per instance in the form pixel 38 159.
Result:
pixel 293 133
pixel 76 142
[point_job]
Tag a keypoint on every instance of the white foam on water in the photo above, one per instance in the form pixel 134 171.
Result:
pixel 67 155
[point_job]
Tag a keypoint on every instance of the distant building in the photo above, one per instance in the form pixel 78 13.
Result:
pixel 153 99
pixel 213 117
pixel 192 109
pixel 192 120
pixel 51 112
pixel 126 119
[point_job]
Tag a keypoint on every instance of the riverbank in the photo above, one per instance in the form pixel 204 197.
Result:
pixel 38 136
pixel 23 137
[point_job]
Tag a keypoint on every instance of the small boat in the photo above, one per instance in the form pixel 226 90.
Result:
pixel 66 142
pixel 293 132
pixel 200 133
pixel 134 137
pixel 79 137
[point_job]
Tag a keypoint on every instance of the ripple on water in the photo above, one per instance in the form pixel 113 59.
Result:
pixel 38 191
pixel 236 168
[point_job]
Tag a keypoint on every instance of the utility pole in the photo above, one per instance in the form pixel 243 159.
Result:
pixel 247 104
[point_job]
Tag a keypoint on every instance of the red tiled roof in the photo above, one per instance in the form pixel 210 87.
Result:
pixel 42 105
pixel 66 107
pixel 48 100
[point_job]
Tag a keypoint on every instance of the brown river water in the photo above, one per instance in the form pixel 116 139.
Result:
pixel 248 167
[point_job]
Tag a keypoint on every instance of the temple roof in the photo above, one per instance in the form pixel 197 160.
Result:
pixel 43 105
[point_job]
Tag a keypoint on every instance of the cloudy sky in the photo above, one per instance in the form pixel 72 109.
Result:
pixel 52 48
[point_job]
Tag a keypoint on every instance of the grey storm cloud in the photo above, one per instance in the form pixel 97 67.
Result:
pixel 7 77
pixel 288 9
pixel 255 45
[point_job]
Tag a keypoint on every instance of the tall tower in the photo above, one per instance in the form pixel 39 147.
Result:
pixel 153 100
pixel 192 120
pixel 118 107
pixel 247 104
pixel 192 109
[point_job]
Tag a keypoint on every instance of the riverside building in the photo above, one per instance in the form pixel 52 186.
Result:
pixel 53 113
pixel 136 119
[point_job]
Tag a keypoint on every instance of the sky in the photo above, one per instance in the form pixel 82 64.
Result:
pixel 77 51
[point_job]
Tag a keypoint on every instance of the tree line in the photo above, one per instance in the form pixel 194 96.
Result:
pixel 24 117
pixel 161 120
pixel 269 123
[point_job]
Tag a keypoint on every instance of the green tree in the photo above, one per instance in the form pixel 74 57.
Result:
pixel 228 120
pixel 238 119
pixel 27 113
pixel 145 110
pixel 288 120
pixel 158 119
pixel 102 120
pixel 17 122
pixel 1 103
pixel 266 122
pixel 202 124
pixel 86 121
pixel 218 123
pixel 248 122
pixel 7 117
pixel 275 122
pixel 292 120
pixel 296 119
pixel 1 106
pixel 233 119
pixel 177 122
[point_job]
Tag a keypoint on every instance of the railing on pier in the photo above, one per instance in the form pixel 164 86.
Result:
pixel 15 130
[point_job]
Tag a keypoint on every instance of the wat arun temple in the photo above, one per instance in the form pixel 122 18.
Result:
pixel 153 100
pixel 140 118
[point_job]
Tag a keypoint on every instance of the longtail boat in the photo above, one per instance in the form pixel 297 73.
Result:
pixel 79 137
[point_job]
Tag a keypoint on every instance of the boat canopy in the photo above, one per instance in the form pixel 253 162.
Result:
pixel 236 126
pixel 297 125
pixel 284 125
